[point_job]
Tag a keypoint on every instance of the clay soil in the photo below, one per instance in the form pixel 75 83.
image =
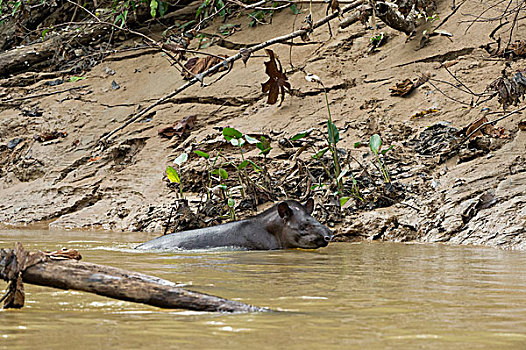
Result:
pixel 477 196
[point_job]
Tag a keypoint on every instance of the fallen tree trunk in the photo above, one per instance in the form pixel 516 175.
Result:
pixel 118 284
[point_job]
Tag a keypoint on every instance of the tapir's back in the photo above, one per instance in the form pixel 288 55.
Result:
pixel 245 234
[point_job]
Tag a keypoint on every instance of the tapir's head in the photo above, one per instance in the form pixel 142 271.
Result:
pixel 300 229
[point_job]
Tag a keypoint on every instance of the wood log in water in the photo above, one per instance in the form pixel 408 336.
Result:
pixel 123 285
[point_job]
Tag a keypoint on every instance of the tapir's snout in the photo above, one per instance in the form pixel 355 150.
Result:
pixel 325 238
pixel 328 236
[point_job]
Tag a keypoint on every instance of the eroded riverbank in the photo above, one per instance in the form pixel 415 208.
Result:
pixel 477 196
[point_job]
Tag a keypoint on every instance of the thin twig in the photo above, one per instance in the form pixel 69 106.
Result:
pixel 449 16
pixel 42 94
pixel 443 93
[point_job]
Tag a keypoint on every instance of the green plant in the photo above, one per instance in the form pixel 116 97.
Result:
pixel 174 175
pixel 264 146
pixel 375 144
pixel 237 139
pixel 333 135
pixel 208 7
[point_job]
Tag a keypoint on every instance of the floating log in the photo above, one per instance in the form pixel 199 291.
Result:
pixel 118 284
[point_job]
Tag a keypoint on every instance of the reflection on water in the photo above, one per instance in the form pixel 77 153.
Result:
pixel 347 296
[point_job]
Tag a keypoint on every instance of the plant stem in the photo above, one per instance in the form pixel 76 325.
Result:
pixel 332 146
pixel 180 183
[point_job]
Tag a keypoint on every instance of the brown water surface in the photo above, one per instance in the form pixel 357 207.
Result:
pixel 345 296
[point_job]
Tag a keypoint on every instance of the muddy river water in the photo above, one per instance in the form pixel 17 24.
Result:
pixel 345 296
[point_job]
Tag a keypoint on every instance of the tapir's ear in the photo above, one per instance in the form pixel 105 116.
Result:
pixel 284 210
pixel 309 205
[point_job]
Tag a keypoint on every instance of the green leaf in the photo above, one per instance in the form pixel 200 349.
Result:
pixel 375 143
pixel 231 133
pixel 15 8
pixel 231 203
pixel 202 154
pixel 184 25
pixel 223 187
pixel 199 9
pixel 223 173
pixel 265 151
pixel 264 145
pixel 294 9
pixel 320 186
pixel 320 153
pixel 163 6
pixel 243 164
pixel 334 134
pixel 254 165
pixel 251 140
pixel 358 144
pixel 172 174
pixel 44 32
pixel 237 142
pixel 301 135
pixel 344 202
pixel 387 150
pixel 181 159
pixel 74 79
pixel 153 8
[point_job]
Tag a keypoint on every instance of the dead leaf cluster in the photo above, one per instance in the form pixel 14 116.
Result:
pixel 406 6
pixel 486 130
pixel 510 90
pixel 405 87
pixel 186 124
pixel 518 48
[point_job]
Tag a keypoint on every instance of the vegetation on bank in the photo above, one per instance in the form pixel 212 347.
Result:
pixel 229 179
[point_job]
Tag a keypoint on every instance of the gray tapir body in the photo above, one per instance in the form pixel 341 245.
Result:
pixel 285 225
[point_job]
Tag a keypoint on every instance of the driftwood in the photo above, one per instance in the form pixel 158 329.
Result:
pixel 40 269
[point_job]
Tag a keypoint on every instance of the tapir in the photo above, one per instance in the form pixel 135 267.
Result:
pixel 286 225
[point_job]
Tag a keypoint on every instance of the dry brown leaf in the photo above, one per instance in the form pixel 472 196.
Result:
pixel 175 48
pixel 518 48
pixel 277 81
pixel 405 87
pixel 180 128
pixel 334 5
pixel 402 88
pixel 197 65
pixel 475 125
pixel 50 135
pixel 245 55
pixel 94 159
pixel 522 125
pixel 489 130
